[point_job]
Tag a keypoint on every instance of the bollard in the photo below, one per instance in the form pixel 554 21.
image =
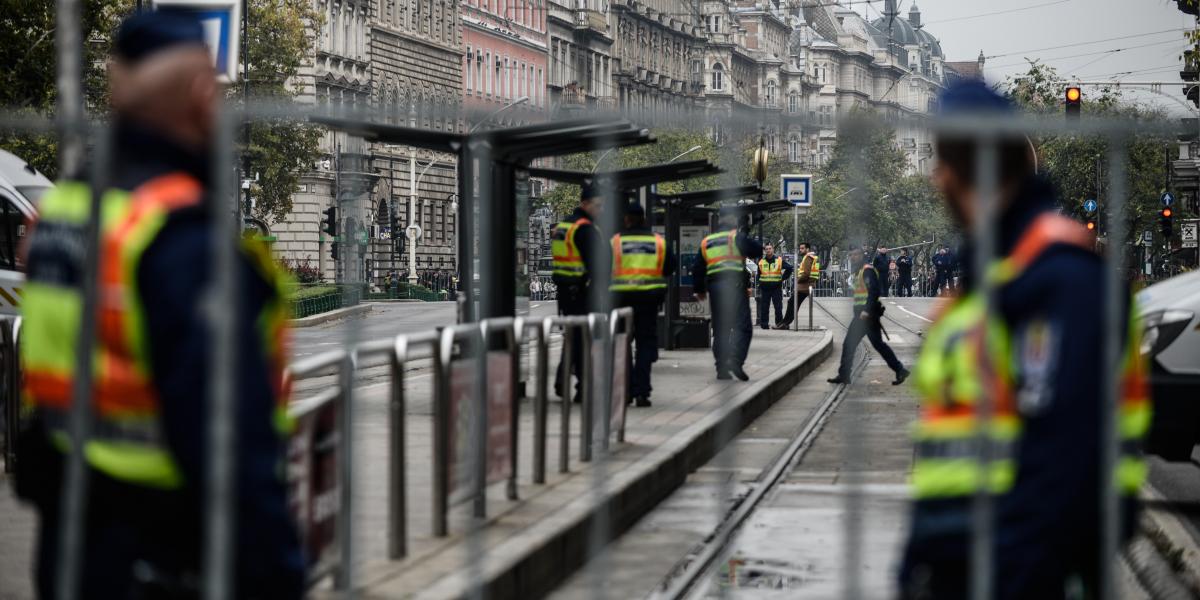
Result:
pixel 516 337
pixel 479 424
pixel 585 416
pixel 441 430
pixel 397 510
pixel 540 400
pixel 565 429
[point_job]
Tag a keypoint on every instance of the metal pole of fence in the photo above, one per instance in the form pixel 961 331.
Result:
pixel 11 397
pixel 564 450
pixel 397 509
pixel 608 368
pixel 222 306
pixel 441 431
pixel 982 509
pixel 628 318
pixel 1114 330
pixel 69 84
pixel 540 405
pixel 344 580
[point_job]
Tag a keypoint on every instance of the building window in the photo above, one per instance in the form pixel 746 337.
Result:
pixel 793 151
pixel 491 79
pixel 541 89
pixel 470 78
pixel 770 94
pixel 718 77
pixel 793 103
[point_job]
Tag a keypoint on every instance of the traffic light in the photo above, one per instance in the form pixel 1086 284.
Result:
pixel 1164 221
pixel 1072 100
pixel 330 227
pixel 1091 224
pixel 1193 93
pixel 333 250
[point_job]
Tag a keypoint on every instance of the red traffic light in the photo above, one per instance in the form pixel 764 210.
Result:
pixel 1091 225
pixel 1166 212
pixel 1073 94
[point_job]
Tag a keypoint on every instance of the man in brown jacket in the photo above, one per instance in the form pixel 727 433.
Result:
pixel 807 274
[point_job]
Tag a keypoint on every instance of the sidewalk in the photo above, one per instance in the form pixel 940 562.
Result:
pixel 531 544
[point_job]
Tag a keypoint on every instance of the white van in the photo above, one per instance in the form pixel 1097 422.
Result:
pixel 1170 311
pixel 21 187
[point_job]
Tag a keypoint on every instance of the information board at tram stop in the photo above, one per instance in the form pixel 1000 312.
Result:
pixel 690 237
pixel 620 379
pixel 222 23
pixel 499 425
pixel 1187 233
pixel 796 189
pixel 1148 238
pixel 312 480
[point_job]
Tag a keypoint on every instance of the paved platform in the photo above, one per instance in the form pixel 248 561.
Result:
pixel 526 546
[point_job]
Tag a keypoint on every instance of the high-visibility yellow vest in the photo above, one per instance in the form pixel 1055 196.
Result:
pixel 770 271
pixel 567 262
pixel 638 261
pixel 860 286
pixel 721 254
pixel 968 355
pixel 815 273
pixel 127 440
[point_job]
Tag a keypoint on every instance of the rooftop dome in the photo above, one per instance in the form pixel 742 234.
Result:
pixel 935 47
pixel 896 28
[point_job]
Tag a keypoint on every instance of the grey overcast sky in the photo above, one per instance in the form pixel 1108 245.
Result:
pixel 1134 40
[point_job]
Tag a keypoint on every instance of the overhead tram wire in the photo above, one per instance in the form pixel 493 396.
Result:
pixel 998 12
pixel 1109 51
pixel 1100 41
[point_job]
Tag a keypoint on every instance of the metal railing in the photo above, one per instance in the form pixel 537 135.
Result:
pixel 10 387
pixel 460 353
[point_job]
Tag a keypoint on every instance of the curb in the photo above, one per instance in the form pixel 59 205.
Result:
pixel 333 315
pixel 533 563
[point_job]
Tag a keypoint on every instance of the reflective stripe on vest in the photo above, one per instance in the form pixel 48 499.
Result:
pixel 816 267
pixel 721 254
pixel 860 286
pixel 638 263
pixel 967 356
pixel 567 261
pixel 770 272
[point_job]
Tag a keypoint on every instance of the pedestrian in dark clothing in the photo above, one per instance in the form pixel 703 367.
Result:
pixel 1037 368
pixel 882 265
pixel 578 252
pixel 147 459
pixel 719 273
pixel 904 274
pixel 943 266
pixel 865 322
pixel 641 265
pixel 772 272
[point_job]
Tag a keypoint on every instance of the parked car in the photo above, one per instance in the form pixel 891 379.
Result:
pixel 1170 313
pixel 21 187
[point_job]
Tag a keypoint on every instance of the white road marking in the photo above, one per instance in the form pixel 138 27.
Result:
pixel 912 313
pixel 895 338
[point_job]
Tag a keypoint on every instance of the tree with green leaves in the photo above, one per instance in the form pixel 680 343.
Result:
pixel 279 151
pixel 1077 164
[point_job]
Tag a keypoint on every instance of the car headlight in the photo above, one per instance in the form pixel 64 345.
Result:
pixel 1161 328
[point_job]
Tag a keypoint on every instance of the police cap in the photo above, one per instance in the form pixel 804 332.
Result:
pixel 144 34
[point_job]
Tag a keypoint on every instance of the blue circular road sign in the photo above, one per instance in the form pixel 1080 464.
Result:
pixel 1089 205
pixel 1167 199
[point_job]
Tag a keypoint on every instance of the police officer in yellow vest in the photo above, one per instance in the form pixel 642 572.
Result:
pixel 720 270
pixel 578 251
pixel 146 455
pixel 640 267
pixel 772 272
pixel 1035 356
pixel 865 322
pixel 807 275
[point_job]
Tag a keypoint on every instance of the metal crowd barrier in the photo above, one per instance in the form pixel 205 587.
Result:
pixel 324 421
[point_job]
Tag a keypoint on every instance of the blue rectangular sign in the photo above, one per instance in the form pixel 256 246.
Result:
pixel 222 29
pixel 796 189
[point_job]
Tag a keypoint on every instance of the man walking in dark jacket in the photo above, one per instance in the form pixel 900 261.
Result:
pixel 867 312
